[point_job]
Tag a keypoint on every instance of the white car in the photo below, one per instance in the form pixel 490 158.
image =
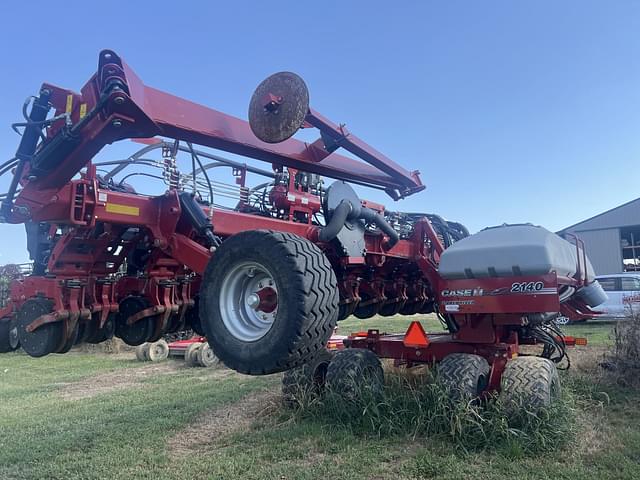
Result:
pixel 623 290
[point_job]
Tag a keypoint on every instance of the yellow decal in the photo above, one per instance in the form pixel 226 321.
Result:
pixel 69 103
pixel 83 110
pixel 122 209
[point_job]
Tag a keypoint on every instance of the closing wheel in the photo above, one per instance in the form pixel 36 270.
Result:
pixel 366 311
pixel 72 340
pixel 142 352
pixel 44 340
pixel 391 309
pixel 268 301
pixel 138 332
pixel 306 381
pixel 411 308
pixel 191 354
pixel 98 335
pixel 14 339
pixel 8 339
pixel 158 351
pixel 464 375
pixel 530 382
pixel 193 317
pixel 346 310
pixel 206 357
pixel 355 373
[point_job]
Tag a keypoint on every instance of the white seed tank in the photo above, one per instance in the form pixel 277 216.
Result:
pixel 517 250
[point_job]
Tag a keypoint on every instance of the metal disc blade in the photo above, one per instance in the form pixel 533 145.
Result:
pixel 278 107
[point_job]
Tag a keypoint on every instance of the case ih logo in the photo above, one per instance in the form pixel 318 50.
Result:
pixel 468 292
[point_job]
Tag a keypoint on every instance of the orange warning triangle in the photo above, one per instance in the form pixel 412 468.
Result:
pixel 415 336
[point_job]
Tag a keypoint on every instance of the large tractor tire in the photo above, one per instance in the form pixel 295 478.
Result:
pixel 465 376
pixel 530 382
pixel 44 340
pixel 355 373
pixel 8 340
pixel 306 381
pixel 268 301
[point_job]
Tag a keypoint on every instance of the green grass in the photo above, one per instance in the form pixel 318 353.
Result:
pixel 125 433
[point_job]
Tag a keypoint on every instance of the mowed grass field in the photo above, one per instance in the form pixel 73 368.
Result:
pixel 85 416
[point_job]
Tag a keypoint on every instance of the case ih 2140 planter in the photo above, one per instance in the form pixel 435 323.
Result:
pixel 266 280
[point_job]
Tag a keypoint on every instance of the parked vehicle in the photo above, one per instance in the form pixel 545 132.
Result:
pixel 623 290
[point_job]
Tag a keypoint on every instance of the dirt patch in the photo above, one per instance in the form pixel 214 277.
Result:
pixel 112 381
pixel 215 425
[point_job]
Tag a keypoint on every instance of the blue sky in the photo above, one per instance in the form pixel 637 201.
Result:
pixel 512 111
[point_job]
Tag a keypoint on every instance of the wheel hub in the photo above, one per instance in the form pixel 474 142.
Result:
pixel 249 301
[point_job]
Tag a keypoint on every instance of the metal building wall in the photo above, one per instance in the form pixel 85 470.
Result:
pixel 622 216
pixel 603 249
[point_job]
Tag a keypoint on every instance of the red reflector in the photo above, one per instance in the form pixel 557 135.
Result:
pixel 415 336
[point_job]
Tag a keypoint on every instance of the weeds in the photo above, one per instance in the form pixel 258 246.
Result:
pixel 421 407
pixel 623 359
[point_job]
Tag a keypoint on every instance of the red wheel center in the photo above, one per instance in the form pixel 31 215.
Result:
pixel 268 300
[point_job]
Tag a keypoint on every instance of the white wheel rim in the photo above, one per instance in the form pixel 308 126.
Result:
pixel 245 312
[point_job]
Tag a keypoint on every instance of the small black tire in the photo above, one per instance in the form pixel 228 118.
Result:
pixel 306 381
pixel 355 373
pixel 307 301
pixel 14 337
pixel 5 335
pixel 48 337
pixel 98 335
pixel 463 375
pixel 139 332
pixel 529 382
pixel 192 319
pixel 366 311
pixel 391 309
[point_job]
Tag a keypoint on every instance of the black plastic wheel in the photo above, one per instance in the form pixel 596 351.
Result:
pixel 391 309
pixel 45 339
pixel 306 381
pixel 193 317
pixel 14 338
pixel 99 335
pixel 138 332
pixel 345 310
pixel 6 344
pixel 366 311
pixel 355 373
pixel 411 308
pixel 72 340
pixel 290 271
pixel 464 375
